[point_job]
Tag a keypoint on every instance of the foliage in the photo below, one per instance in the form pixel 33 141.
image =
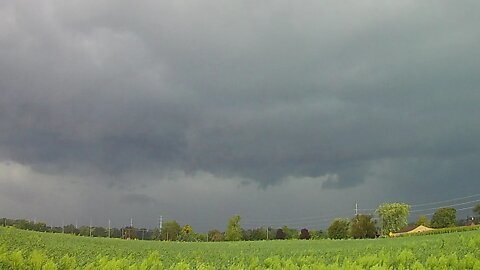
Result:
pixel 215 236
pixel 422 221
pixel 362 226
pixel 170 230
pixel 339 229
pixel 187 234
pixel 393 216
pixel 31 250
pixel 290 233
pixel 254 234
pixel 280 234
pixel 234 231
pixel 318 234
pixel 444 217
pixel 476 209
pixel 187 229
pixel 304 234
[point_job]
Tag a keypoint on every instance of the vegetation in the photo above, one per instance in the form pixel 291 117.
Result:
pixel 22 249
pixel 422 221
pixel 339 229
pixel 170 230
pixel 234 231
pixel 476 209
pixel 362 226
pixel 304 234
pixel 393 216
pixel 444 217
pixel 280 235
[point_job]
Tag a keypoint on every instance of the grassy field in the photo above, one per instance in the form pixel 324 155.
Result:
pixel 32 250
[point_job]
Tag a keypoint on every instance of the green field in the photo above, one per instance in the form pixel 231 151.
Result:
pixel 21 249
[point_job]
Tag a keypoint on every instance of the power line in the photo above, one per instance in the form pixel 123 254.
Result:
pixel 316 220
pixel 432 203
pixel 451 205
pixel 461 209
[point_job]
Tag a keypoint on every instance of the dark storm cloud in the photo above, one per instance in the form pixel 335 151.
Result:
pixel 134 198
pixel 251 90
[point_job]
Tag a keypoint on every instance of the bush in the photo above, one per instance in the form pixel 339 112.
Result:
pixel 362 226
pixel 339 229
pixel 280 234
pixel 444 217
pixel 304 234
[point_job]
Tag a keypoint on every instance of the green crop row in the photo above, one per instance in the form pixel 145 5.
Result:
pixel 32 250
pixel 405 259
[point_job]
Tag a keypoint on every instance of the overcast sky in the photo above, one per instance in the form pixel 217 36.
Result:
pixel 282 112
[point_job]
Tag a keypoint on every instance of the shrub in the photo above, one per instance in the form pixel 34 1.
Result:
pixel 339 229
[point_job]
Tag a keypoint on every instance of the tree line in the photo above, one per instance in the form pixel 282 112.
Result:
pixel 392 218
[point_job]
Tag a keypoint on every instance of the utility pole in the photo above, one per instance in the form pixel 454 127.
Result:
pixel 63 226
pixel 356 209
pixel 90 228
pixel 267 233
pixel 160 223
pixel 109 228
pixel 131 222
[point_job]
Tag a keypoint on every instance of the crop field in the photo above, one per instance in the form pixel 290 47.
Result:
pixel 21 249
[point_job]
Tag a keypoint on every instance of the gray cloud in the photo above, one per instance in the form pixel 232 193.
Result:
pixel 258 92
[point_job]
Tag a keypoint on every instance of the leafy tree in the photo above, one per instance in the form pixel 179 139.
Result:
pixel 187 229
pixel 339 229
pixel 280 234
pixel 40 227
pixel 170 230
pixel 254 234
pixel 362 226
pixel 199 237
pixel 215 236
pixel 476 209
pixel 259 233
pixel 422 221
pixel 234 231
pixel 444 217
pixel 84 231
pixel 99 232
pixel 318 234
pixel 304 234
pixel 115 233
pixel 70 229
pixel 187 233
pixel 393 216
pixel 22 224
pixel 290 233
